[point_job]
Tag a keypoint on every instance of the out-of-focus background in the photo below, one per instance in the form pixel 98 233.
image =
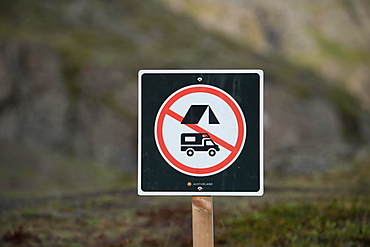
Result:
pixel 68 117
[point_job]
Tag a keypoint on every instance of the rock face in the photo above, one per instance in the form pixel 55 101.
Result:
pixel 331 36
pixel 74 92
pixel 40 111
pixel 34 103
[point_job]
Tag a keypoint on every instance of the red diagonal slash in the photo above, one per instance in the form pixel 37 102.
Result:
pixel 198 129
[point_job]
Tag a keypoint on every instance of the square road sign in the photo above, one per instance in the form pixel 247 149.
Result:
pixel 200 132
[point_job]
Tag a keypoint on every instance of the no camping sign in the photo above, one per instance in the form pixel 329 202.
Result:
pixel 200 132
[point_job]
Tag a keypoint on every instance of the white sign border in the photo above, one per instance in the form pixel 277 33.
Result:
pixel 201 71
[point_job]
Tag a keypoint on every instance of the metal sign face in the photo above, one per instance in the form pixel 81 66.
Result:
pixel 200 132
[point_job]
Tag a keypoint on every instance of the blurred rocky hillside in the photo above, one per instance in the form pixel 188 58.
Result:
pixel 68 73
pixel 331 37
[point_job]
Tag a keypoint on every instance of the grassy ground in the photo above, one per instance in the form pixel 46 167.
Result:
pixel 47 200
pixel 293 212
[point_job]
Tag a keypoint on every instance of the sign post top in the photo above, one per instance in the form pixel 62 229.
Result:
pixel 200 132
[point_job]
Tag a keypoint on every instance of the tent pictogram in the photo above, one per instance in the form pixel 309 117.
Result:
pixel 195 113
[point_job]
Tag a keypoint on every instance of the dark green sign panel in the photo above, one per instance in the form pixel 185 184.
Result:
pixel 200 132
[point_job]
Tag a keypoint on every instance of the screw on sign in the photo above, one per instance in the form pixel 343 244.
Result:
pixel 200 130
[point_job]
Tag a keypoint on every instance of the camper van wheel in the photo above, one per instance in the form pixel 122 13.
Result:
pixel 190 152
pixel 212 152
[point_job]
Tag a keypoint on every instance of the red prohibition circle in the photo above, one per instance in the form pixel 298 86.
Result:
pixel 165 110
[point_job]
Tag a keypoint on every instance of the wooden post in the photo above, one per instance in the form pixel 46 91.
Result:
pixel 202 210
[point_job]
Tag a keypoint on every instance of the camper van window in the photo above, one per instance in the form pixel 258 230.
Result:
pixel 189 138
pixel 209 143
